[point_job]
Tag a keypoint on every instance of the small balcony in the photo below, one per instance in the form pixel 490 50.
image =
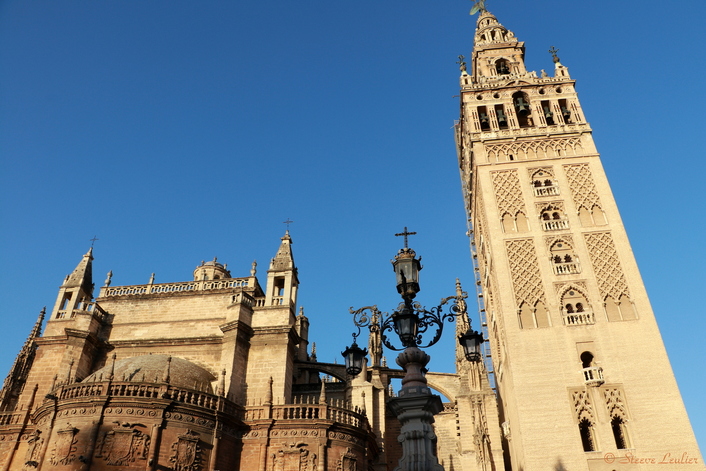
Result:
pixel 555 225
pixel 569 268
pixel 578 318
pixel 593 376
pixel 546 190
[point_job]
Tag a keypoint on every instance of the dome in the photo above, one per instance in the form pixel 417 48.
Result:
pixel 152 368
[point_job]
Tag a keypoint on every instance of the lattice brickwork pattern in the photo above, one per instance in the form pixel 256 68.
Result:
pixel 507 192
pixel 534 149
pixel 524 268
pixel 614 403
pixel 606 265
pixel 582 187
pixel 582 405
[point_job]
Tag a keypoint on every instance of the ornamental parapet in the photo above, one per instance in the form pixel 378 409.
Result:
pixel 539 131
pixel 81 308
pixel 171 288
pixel 144 390
pixel 333 410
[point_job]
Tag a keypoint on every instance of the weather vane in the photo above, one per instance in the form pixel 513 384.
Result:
pixel 287 222
pixel 461 62
pixel 479 6
pixel 553 52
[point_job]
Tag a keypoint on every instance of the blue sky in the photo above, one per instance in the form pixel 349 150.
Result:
pixel 178 131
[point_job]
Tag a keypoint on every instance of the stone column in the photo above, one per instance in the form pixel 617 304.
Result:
pixel 415 408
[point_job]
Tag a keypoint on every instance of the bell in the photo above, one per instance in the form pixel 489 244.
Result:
pixel 521 107
pixel 565 113
pixel 484 119
pixel 502 119
pixel 547 113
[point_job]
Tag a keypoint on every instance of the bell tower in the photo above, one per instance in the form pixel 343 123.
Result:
pixel 582 375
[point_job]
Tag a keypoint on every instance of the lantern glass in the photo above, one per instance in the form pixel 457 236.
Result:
pixel 471 342
pixel 355 359
pixel 406 270
pixel 406 326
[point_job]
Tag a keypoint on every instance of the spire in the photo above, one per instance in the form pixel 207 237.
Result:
pixel 497 54
pixel 322 393
pixel 284 259
pixel 490 31
pixel 16 378
pixel 82 276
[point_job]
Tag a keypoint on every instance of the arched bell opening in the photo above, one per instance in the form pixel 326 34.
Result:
pixel 520 101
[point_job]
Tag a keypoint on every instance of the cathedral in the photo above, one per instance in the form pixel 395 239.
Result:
pixel 216 372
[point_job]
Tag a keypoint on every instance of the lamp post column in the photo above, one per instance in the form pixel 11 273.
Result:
pixel 415 408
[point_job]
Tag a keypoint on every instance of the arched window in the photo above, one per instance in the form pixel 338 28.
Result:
pixel 543 183
pixel 565 261
pixel 576 309
pixel 587 359
pixel 586 431
pixel 502 67
pixel 553 218
pixel 619 432
pixel 523 110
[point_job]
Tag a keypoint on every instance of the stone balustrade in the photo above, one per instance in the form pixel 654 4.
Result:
pixel 593 376
pixel 555 225
pixel 146 390
pixel 327 411
pixel 546 191
pixel 169 288
pixel 568 268
pixel 579 318
pixel 81 308
pixel 11 418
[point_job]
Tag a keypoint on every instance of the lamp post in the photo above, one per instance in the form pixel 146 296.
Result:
pixel 415 405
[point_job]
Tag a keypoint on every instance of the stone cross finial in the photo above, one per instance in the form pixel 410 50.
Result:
pixel 405 234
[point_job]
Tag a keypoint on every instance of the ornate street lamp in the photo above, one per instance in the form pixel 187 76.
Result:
pixel 415 405
pixel 471 343
pixel 355 358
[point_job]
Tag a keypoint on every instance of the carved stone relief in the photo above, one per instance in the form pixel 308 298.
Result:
pixel 64 449
pixel 34 449
pixel 583 408
pixel 123 445
pixel 186 452
pixel 533 149
pixel 614 402
pixel 348 462
pixel 294 457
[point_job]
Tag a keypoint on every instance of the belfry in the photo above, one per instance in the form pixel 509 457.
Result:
pixel 582 376
pixel 217 372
